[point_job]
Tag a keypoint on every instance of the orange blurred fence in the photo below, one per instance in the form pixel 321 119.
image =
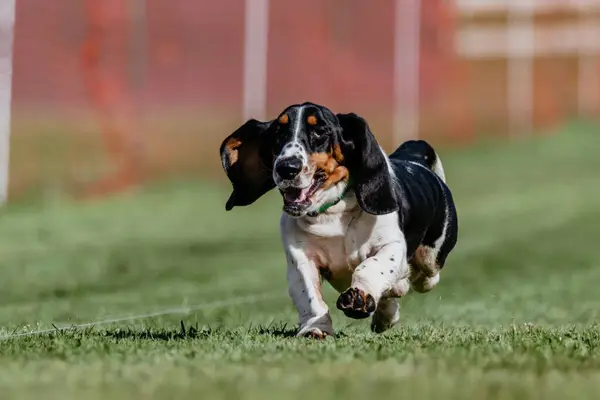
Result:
pixel 107 94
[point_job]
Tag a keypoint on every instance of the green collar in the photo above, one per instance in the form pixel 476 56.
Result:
pixel 330 204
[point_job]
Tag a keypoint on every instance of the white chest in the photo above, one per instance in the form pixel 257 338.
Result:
pixel 337 244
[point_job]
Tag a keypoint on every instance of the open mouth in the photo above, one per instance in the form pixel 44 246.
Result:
pixel 296 199
pixel 294 195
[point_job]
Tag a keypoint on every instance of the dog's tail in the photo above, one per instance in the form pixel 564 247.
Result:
pixel 420 151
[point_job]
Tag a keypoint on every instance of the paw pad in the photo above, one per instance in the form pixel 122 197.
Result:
pixel 356 304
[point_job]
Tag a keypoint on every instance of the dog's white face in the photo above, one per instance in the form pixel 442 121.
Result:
pixel 307 168
pixel 308 153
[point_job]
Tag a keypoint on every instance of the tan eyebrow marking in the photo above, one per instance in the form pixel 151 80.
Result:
pixel 284 119
pixel 312 120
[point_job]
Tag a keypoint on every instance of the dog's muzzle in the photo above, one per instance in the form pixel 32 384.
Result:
pixel 288 168
pixel 295 184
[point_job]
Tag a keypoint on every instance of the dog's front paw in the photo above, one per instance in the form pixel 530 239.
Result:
pixel 313 333
pixel 356 304
pixel 317 327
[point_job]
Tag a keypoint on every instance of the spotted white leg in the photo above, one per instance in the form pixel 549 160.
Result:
pixel 375 278
pixel 304 283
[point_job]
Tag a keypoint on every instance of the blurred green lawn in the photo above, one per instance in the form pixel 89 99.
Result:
pixel 514 315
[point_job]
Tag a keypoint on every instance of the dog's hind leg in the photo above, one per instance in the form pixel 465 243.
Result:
pixel 428 260
pixel 430 256
pixel 388 309
pixel 386 315
pixel 422 283
pixel 425 270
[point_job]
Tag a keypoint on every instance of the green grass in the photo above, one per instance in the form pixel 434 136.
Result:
pixel 514 315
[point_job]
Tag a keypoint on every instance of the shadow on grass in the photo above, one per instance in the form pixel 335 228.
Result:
pixel 281 330
pixel 194 332
pixel 183 333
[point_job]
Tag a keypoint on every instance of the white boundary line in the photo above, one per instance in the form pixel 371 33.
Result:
pixel 7 22
pixel 169 311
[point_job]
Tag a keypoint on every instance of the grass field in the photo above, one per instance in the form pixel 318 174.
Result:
pixel 515 314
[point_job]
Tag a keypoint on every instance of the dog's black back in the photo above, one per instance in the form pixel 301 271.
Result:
pixel 427 212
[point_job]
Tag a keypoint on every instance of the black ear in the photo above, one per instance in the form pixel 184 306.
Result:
pixel 367 165
pixel 248 160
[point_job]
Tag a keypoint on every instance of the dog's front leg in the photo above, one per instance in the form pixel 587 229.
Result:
pixel 304 283
pixel 381 276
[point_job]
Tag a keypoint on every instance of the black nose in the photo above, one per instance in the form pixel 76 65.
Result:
pixel 288 168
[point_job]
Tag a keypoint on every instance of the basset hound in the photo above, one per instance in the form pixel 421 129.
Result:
pixel 371 224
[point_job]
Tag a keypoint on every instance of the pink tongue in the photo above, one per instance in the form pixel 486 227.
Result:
pixel 302 195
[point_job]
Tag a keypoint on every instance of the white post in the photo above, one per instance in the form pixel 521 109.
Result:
pixel 138 44
pixel 7 22
pixel 407 49
pixel 587 79
pixel 521 49
pixel 255 58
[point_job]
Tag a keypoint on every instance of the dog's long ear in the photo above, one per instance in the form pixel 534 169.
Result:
pixel 367 165
pixel 248 160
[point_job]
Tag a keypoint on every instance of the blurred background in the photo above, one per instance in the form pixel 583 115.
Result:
pixel 125 102
pixel 116 194
pixel 110 94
